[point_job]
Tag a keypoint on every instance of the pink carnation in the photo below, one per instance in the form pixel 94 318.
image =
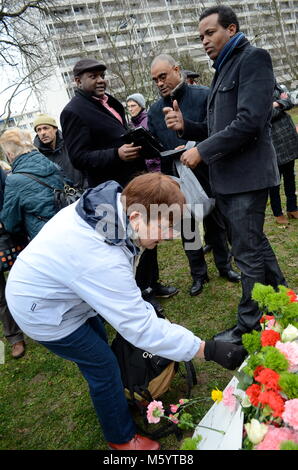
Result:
pixel 290 350
pixel 290 415
pixel 174 408
pixel 155 411
pixel 229 399
pixel 275 436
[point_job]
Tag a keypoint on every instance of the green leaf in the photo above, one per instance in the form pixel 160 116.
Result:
pixel 191 443
pixel 288 445
pixel 244 380
pixel 186 421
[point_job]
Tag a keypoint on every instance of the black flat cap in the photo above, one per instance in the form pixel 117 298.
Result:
pixel 85 65
pixel 191 74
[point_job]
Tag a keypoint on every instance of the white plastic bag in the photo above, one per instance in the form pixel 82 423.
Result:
pixel 198 203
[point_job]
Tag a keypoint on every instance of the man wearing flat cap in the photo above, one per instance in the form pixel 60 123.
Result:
pixel 49 141
pixel 190 76
pixel 93 123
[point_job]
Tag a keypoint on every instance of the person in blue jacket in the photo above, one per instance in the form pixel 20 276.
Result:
pixel 27 203
pixel 11 330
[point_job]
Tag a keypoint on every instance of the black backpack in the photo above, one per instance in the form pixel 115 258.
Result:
pixel 146 376
pixel 62 197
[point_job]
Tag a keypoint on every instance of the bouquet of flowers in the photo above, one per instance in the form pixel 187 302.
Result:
pixel 269 377
pixel 268 380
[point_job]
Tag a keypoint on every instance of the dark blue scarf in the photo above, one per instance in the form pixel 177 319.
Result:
pixel 227 51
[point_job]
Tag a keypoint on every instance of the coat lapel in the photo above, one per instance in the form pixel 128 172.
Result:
pixel 219 79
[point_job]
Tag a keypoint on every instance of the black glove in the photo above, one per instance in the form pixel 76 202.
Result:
pixel 228 355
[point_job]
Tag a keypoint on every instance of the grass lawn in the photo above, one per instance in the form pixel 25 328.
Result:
pixel 44 401
pixel 294 114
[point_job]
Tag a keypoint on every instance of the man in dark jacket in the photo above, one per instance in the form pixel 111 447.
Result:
pixel 285 141
pixel 170 81
pixel 239 152
pixel 93 124
pixel 50 143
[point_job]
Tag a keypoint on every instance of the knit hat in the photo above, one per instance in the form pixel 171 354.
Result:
pixel 85 65
pixel 138 98
pixel 44 119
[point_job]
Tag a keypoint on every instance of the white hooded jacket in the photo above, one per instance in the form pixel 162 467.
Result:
pixel 70 272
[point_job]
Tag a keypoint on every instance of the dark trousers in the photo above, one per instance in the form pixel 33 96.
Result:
pixel 244 215
pixel 288 173
pixel 147 273
pixel 11 330
pixel 88 348
pixel 216 233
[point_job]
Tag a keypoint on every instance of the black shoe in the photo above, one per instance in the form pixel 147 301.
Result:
pixel 231 275
pixel 164 291
pixel 197 286
pixel 232 335
pixel 207 249
pixel 147 295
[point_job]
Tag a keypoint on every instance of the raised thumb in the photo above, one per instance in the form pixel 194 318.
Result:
pixel 175 106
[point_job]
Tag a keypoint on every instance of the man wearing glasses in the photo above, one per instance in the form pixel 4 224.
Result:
pixel 169 79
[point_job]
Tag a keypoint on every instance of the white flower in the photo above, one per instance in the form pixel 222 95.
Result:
pixel 256 431
pixel 245 403
pixel 289 334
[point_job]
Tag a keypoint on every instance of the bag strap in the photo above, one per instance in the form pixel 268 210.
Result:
pixel 33 177
pixel 190 377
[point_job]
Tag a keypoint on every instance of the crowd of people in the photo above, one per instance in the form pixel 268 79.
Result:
pixel 61 296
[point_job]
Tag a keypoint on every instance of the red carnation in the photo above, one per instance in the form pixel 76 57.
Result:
pixel 253 391
pixel 269 378
pixel 269 337
pixel 292 295
pixel 274 401
pixel 258 370
pixel 267 318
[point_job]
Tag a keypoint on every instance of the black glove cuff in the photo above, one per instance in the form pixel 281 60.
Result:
pixel 227 355
pixel 209 350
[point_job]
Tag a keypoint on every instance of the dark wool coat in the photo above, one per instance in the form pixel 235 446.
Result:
pixel 239 149
pixel 284 134
pixel 25 200
pixel 93 135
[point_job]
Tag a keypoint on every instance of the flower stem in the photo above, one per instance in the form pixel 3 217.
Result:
pixel 211 429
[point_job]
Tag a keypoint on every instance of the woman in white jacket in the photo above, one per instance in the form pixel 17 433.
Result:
pixel 81 265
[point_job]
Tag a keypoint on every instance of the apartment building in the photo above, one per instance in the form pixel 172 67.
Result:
pixel 126 34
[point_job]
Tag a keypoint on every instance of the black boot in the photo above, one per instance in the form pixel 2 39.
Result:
pixel 197 286
pixel 148 295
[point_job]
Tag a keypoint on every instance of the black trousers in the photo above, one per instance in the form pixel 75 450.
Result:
pixel 244 215
pixel 215 232
pixel 288 173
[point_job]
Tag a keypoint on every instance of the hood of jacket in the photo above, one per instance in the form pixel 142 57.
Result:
pixel 100 208
pixel 34 162
pixel 46 149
